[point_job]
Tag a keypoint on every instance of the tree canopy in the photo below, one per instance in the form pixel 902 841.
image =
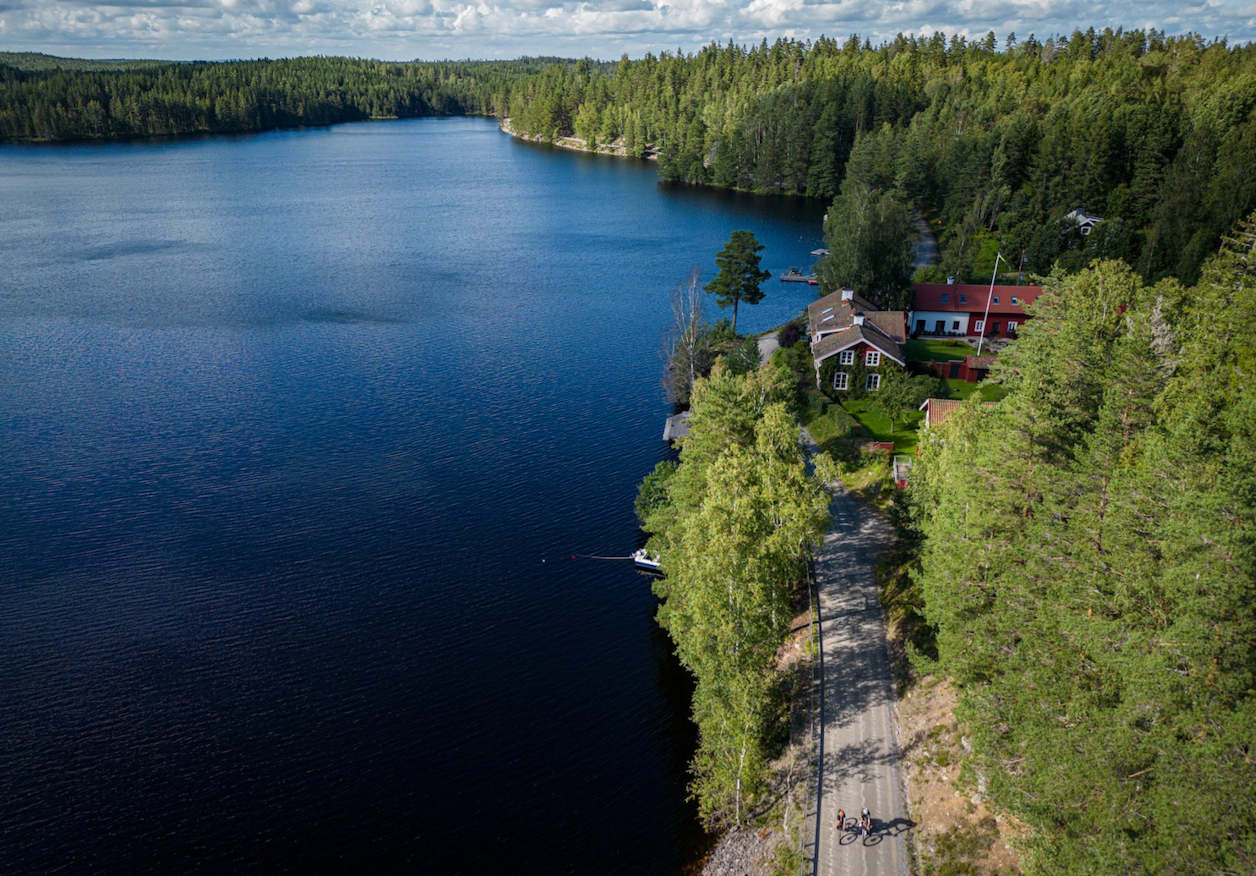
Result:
pixel 869 235
pixel 740 276
pixel 734 524
pixel 1089 564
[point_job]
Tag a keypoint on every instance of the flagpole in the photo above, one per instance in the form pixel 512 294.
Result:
pixel 985 319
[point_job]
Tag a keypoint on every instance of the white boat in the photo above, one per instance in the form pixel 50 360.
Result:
pixel 819 252
pixel 645 560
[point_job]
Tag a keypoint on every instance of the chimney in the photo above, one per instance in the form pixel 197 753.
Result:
pixel 848 294
pixel 858 318
pixel 950 281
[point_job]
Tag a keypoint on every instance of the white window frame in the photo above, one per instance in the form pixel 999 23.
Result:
pixel 872 359
pixel 1014 301
pixel 872 382
pixel 996 299
pixel 1011 326
pixel 979 325
pixel 846 357
pixel 841 381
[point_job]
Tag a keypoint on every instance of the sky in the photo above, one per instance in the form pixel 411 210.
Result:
pixel 603 29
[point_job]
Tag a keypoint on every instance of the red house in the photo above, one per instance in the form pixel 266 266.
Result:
pixel 960 309
pixel 858 340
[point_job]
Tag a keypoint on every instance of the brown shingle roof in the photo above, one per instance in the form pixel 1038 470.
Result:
pixel 815 310
pixel 835 343
pixel 980 361
pixel 893 323
pixel 832 314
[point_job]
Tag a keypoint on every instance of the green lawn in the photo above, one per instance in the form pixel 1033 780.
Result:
pixel 933 350
pixel 962 389
pixel 877 427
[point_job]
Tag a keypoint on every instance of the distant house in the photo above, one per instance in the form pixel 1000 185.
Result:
pixel 959 309
pixel 1085 222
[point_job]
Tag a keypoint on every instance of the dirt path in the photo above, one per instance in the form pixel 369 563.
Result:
pixel 858 753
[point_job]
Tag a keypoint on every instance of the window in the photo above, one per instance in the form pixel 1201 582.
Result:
pixel 955 325
pixel 1011 327
pixel 846 357
pixel 945 298
pixel 872 358
pixel 978 325
pixel 1014 301
pixel 872 382
pixel 996 299
pixel 841 381
pixel 963 299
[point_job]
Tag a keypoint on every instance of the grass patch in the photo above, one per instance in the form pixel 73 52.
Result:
pixel 877 427
pixel 961 389
pixel 936 350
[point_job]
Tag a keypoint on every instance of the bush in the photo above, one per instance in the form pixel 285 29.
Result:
pixel 842 418
pixel 789 334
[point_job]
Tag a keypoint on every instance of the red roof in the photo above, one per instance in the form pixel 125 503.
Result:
pixel 971 298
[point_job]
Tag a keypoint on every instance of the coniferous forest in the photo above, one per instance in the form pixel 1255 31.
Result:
pixel 1086 564
pixel 1083 553
pixel 994 143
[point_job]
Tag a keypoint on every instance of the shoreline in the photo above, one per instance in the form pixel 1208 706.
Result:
pixel 575 144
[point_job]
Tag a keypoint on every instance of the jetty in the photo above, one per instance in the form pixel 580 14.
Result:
pixel 795 275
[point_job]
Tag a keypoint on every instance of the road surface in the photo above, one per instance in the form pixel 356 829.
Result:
pixel 926 246
pixel 858 753
pixel 767 346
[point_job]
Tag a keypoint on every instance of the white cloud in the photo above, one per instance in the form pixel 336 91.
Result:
pixel 403 29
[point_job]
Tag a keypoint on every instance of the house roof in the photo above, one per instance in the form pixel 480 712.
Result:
pixel 815 310
pixel 938 409
pixel 853 335
pixel 892 323
pixel 929 298
pixel 832 314
pixel 980 362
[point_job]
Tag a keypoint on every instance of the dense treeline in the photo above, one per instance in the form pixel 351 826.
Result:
pixel 1155 134
pixel 1088 561
pixel 40 101
pixel 735 524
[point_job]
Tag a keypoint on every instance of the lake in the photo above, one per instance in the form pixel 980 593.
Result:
pixel 299 432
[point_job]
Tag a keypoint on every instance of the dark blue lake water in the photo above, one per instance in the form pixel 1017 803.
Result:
pixel 298 434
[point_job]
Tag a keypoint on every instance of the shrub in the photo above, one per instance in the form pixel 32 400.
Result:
pixel 789 334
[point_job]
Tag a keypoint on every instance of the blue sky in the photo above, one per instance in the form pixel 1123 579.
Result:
pixel 430 29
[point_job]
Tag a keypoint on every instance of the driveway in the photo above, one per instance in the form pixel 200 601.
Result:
pixel 858 752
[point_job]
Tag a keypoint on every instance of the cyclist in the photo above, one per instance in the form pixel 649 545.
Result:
pixel 865 822
pixel 841 819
